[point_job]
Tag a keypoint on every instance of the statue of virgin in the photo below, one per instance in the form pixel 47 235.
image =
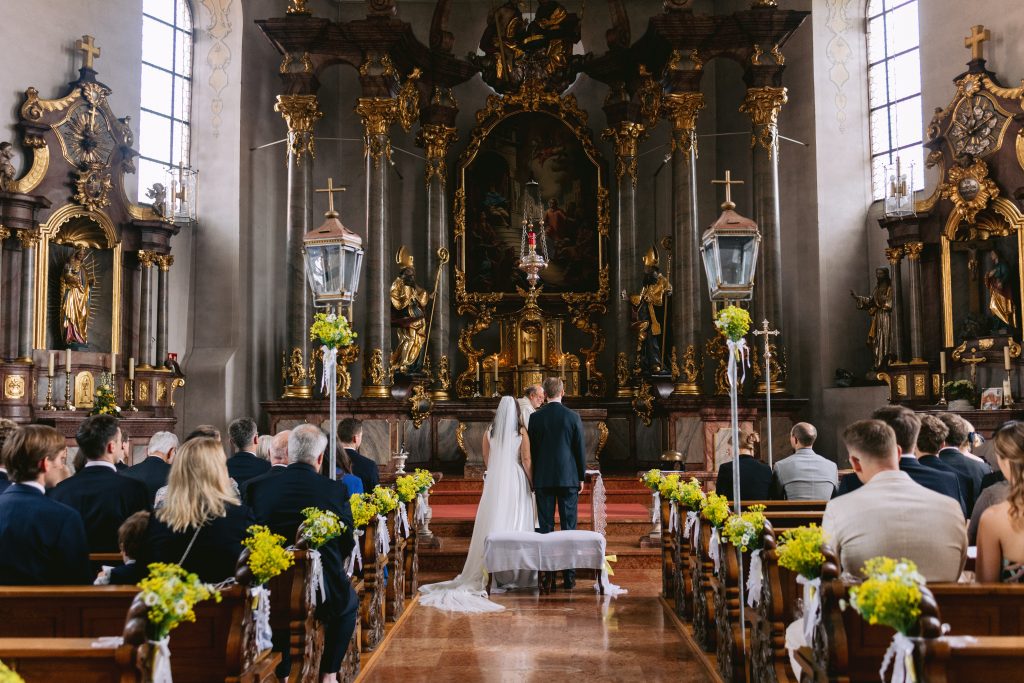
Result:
pixel 75 289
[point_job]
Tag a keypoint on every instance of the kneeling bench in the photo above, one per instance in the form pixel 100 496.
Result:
pixel 545 554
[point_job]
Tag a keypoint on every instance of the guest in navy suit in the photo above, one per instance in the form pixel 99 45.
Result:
pixel 7 428
pixel 103 497
pixel 245 464
pixel 154 469
pixel 755 476
pixel 278 502
pixel 42 542
pixel 278 460
pixel 929 443
pixel 350 437
pixel 131 538
pixel 201 524
pixel 953 454
pixel 907 425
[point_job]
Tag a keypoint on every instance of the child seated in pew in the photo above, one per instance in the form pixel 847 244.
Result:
pixel 130 537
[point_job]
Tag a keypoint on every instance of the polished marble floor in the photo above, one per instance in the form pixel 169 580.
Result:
pixel 574 636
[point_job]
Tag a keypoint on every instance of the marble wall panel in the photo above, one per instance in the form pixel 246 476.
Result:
pixel 377 440
pixel 417 441
pixel 617 448
pixel 447 447
pixel 689 439
pixel 648 441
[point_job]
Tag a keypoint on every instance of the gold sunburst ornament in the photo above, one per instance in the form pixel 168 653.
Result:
pixel 970 189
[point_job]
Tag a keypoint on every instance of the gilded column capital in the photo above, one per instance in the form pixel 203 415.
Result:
pixel 763 105
pixel 147 258
pixel 626 137
pixel 297 7
pixel 4 233
pixel 377 113
pixel 300 112
pixel 165 262
pixel 435 139
pixel 894 255
pixel 913 250
pixel 682 109
pixel 28 238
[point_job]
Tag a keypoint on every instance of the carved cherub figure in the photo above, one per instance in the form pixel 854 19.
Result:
pixel 158 193
pixel 6 167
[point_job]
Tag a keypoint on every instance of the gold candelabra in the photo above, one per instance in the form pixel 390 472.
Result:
pixel 68 405
pixel 49 394
pixel 129 392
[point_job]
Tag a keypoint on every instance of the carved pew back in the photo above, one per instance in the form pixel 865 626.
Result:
pixel 952 659
pixel 372 603
pixel 396 566
pixel 769 662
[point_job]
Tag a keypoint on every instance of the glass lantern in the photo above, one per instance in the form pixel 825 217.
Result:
pixel 729 248
pixel 899 189
pixel 334 258
pixel 182 182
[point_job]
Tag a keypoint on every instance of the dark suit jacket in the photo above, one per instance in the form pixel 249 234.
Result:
pixel 973 470
pixel 963 482
pixel 243 466
pixel 274 471
pixel 105 499
pixel 556 447
pixel 755 479
pixel 152 472
pixel 216 549
pixel 928 477
pixel 121 467
pixel 4 482
pixel 42 542
pixel 278 502
pixel 128 574
pixel 364 468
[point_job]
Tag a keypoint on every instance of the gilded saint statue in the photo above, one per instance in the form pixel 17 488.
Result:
pixel 554 31
pixel 999 282
pixel 649 315
pixel 76 285
pixel 503 37
pixel 408 316
pixel 879 307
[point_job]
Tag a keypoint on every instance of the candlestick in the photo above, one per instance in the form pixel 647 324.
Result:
pixel 50 370
pixel 586 378
pixel 129 391
pixel 49 388
pixel 67 361
pixel 495 394
pixel 68 405
pixel 478 386
pixel 942 381
pixel 942 362
pixel 131 368
pixel 1006 358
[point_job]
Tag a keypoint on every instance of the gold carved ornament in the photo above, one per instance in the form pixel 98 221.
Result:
pixel 92 187
pixel 295 375
pixel 913 250
pixel 763 105
pixel 407 101
pixel 649 97
pixel 970 189
pixel 143 392
pixel 420 405
pixel 581 314
pixel 161 391
pixel 777 364
pixel 176 383
pixel 289 59
pixel 300 112
pixel 444 376
pixel 602 439
pixel 626 137
pixel 460 438
pixel 682 109
pixel 4 233
pixel 377 113
pixel 894 255
pixel 690 371
pixel 481 318
pixel 297 7
pixel 28 239
pixel 674 364
pixel 436 138
pixel 643 403
pixel 347 355
pixel 374 373
pixel 146 258
pixel 716 348
pixel 164 261
pixel 14 387
pixel 622 371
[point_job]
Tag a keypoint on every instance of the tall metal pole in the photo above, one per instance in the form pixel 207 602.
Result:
pixel 737 504
pixel 332 384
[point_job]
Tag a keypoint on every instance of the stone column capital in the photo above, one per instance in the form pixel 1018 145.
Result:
pixel 681 108
pixel 894 255
pixel 913 250
pixel 435 139
pixel 28 238
pixel 626 136
pixel 165 262
pixel 147 258
pixel 377 113
pixel 300 112
pixel 763 104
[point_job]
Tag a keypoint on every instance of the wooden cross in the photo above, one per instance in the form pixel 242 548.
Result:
pixel 767 332
pixel 975 41
pixel 330 190
pixel 728 182
pixel 88 47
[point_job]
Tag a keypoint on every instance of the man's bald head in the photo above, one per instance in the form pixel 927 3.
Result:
pixel 279 448
pixel 804 434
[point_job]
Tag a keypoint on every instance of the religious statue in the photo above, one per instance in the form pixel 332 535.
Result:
pixel 555 31
pixel 645 310
pixel 158 193
pixel 76 285
pixel 999 282
pixel 6 167
pixel 408 303
pixel 502 38
pixel 879 307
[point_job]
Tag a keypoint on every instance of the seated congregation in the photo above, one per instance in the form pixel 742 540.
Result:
pixel 263 554
pixel 908 567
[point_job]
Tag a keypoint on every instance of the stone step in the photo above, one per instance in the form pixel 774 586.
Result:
pixel 639 497
pixel 451 556
pixel 624 528
pixel 462 484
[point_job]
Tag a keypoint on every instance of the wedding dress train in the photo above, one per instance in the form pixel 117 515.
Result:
pixel 505 505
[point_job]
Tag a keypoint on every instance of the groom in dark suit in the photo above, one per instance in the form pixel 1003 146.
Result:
pixel 559 463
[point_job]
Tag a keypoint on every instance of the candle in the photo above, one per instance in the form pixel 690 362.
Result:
pixel 531 239
pixel 561 366
pixel 67 360
pixel 113 363
pixel 1006 357
pixel 495 373
pixel 131 368
pixel 49 373
pixel 942 362
pixel 478 372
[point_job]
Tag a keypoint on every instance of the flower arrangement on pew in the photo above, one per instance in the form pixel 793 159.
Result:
pixel 318 528
pixel 170 595
pixel 267 557
pixel 746 533
pixel 692 496
pixel 715 510
pixel 407 490
pixel 364 510
pixel 652 480
pixel 424 482
pixel 799 550
pixel 668 490
pixel 386 501
pixel 891 596
pixel 8 676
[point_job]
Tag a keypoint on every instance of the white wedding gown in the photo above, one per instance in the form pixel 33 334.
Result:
pixel 505 505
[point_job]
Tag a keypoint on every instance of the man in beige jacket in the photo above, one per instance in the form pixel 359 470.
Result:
pixel 890 514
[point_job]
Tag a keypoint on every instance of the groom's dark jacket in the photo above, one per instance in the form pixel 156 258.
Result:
pixel 556 447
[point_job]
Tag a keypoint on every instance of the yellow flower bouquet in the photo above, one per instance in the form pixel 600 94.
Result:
pixel 171 594
pixel 8 676
pixel 715 509
pixel 799 550
pixel 407 488
pixel 320 526
pixel 891 595
pixel 652 479
pixel 267 555
pixel 733 322
pixel 424 479
pixel 331 330
pixel 364 509
pixel 669 487
pixel 385 499
pixel 745 531
pixel 691 494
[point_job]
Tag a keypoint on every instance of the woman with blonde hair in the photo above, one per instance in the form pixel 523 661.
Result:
pixel 201 523
pixel 1001 529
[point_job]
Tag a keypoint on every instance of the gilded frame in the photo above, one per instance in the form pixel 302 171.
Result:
pixel 532 97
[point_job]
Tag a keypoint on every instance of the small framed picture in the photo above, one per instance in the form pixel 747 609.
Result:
pixel 992 398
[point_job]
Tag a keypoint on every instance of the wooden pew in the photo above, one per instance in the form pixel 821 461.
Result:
pixel 396 568
pixel 702 569
pixel 291 611
pixel 412 555
pixel 769 659
pixel 351 665
pixel 372 603
pixel 952 659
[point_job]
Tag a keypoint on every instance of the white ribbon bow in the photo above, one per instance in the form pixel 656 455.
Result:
pixel 421 509
pixel 656 508
pixel 754 579
pixel 693 526
pixel 713 550
pixel 261 615
pixel 161 660
pixel 330 367
pixel 383 539
pixel 901 655
pixel 402 521
pixel 673 516
pixel 738 350
pixel 316 579
pixel 356 556
pixel 812 605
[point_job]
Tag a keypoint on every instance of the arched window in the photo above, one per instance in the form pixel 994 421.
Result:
pixel 166 89
pixel 894 85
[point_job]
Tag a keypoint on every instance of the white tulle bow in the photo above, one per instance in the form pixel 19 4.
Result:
pixel 673 516
pixel 161 660
pixel 330 367
pixel 383 539
pixel 901 656
pixel 261 614
pixel 316 578
pixel 656 507
pixel 714 551
pixel 738 351
pixel 421 509
pixel 754 579
pixel 693 526
pixel 812 606
pixel 356 556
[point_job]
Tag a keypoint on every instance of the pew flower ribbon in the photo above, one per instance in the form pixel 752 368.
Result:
pixel 386 501
pixel 424 481
pixel 652 480
pixel 364 509
pixel 733 323
pixel 669 489
pixel 891 596
pixel 407 491
pixel 319 528
pixel 333 332
pixel 267 558
pixel 800 551
pixel 716 510
pixel 745 531
pixel 8 676
pixel 692 496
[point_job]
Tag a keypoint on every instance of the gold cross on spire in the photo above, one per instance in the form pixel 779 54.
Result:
pixel 728 182
pixel 330 190
pixel 975 41
pixel 87 46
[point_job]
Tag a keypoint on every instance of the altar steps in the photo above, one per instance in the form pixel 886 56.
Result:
pixel 452 555
pixel 447 527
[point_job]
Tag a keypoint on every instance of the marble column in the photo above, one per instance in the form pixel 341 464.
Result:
pixel 625 136
pixel 164 262
pixel 145 347
pixel 4 234
pixel 300 112
pixel 895 257
pixel 913 252
pixel 686 262
pixel 763 104
pixel 377 114
pixel 27 303
pixel 436 139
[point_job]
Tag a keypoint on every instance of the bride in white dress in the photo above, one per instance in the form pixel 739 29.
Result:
pixel 506 505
